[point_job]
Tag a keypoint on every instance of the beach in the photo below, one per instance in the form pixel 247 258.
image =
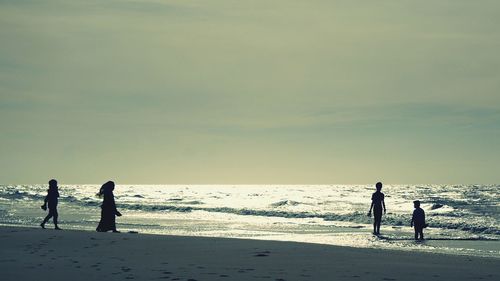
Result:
pixel 324 214
pixel 249 140
pixel 32 253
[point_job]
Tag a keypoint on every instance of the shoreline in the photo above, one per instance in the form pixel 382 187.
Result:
pixel 30 252
pixel 357 238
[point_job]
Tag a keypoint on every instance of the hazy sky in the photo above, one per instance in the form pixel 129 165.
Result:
pixel 248 92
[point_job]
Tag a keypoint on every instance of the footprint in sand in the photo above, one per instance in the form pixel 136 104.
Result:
pixel 125 269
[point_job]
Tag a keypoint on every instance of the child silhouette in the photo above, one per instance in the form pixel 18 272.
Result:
pixel 51 200
pixel 377 204
pixel 418 220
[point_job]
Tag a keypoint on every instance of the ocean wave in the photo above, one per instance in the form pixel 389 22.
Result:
pixel 459 219
pixel 357 217
pixel 285 203
pixel 436 206
pixel 21 195
pixel 397 238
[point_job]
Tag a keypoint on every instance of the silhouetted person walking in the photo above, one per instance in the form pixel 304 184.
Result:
pixel 51 200
pixel 418 220
pixel 108 208
pixel 377 204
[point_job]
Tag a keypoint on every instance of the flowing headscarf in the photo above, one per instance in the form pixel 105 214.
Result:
pixel 105 188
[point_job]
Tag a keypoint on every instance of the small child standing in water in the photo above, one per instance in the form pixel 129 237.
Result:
pixel 418 220
pixel 51 199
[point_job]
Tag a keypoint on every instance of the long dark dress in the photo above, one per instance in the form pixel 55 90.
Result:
pixel 108 213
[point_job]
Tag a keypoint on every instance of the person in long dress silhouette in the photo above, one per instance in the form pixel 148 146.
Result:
pixel 108 208
pixel 377 204
pixel 51 200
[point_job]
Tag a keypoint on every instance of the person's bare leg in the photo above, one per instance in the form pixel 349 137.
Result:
pixel 55 221
pixel 45 220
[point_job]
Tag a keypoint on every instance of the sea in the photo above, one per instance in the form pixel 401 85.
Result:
pixel 463 219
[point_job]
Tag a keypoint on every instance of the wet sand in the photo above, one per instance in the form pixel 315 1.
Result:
pixel 31 253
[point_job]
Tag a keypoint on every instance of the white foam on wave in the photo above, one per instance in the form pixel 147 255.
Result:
pixel 449 208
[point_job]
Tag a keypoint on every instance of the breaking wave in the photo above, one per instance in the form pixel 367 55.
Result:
pixel 478 218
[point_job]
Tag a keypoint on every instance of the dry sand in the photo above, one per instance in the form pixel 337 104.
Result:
pixel 36 254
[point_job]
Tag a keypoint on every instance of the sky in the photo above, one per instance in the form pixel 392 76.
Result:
pixel 249 92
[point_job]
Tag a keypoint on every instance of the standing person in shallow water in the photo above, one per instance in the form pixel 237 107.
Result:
pixel 108 208
pixel 51 200
pixel 418 220
pixel 377 204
